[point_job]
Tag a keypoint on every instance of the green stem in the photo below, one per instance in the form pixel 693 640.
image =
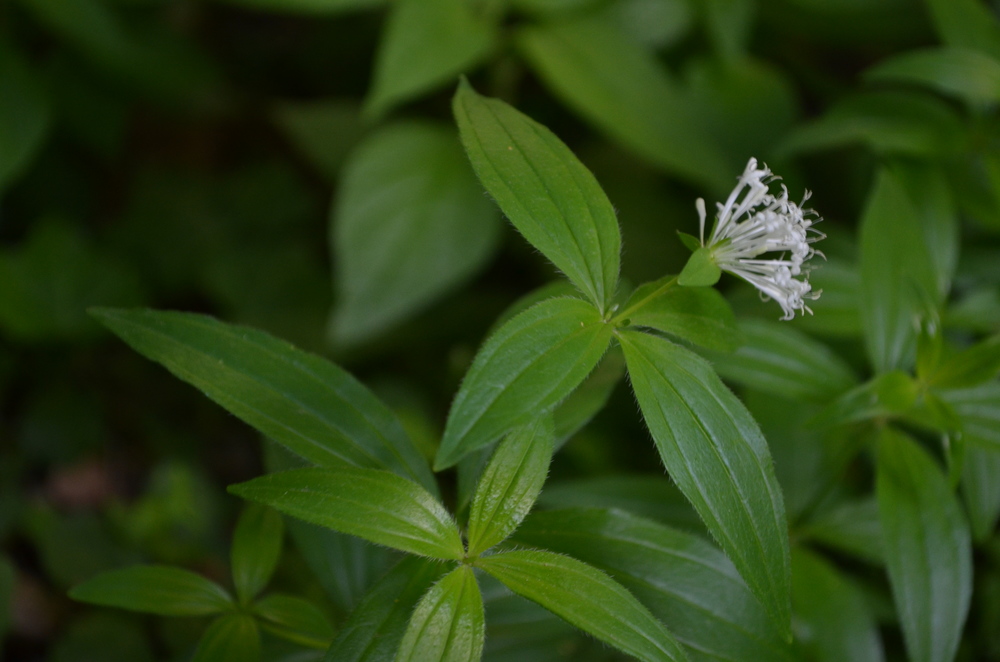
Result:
pixel 642 302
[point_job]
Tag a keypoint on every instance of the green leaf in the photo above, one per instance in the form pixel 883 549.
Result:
pixel 966 24
pixel 836 312
pixel 573 413
pixel 510 484
pixel 426 44
pixel 778 359
pixel 897 275
pixel 375 628
pixel 294 619
pixel 715 452
pixel 527 367
pixel 700 270
pixel 154 589
pixel 256 549
pixel 979 410
pixel 587 598
pixel 319 7
pixel 311 406
pixel 832 617
pixel 378 506
pixel 448 624
pixel 324 131
pixel 682 579
pixel 970 367
pixel 928 548
pixel 410 223
pixel 969 75
pixel 729 23
pixel 981 489
pixel 699 315
pixel 24 115
pixel 852 527
pixel 908 123
pixel 230 638
pixel 549 196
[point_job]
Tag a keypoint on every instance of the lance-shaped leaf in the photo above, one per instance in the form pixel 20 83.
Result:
pixel 256 548
pixel 717 455
pixel 834 621
pixel 685 581
pixel 230 638
pixel 309 405
pixel 154 589
pixel 897 275
pixel 927 547
pixel 549 196
pixel 378 506
pixel 969 75
pixel 527 367
pixel 508 488
pixel 292 618
pixel 699 315
pixel 779 359
pixel 981 489
pixel 973 366
pixel 852 527
pixel 448 624
pixel 373 631
pixel 587 598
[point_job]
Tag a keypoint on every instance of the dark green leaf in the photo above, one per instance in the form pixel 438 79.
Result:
pixel 375 628
pixel 549 196
pixel 426 44
pixel 979 410
pixel 966 74
pixel 410 224
pixel 832 617
pixel 778 359
pixel 981 489
pixel 699 315
pixel 621 87
pixel 256 549
pixel 573 413
pixel 889 394
pixel 684 580
pixel 527 367
pixel 716 454
pixel 966 24
pixel 302 401
pixel 971 367
pixel 928 548
pixel 836 312
pixel 378 506
pixel 24 115
pixel 294 619
pixel 324 132
pixel 308 6
pixel 154 589
pixel 852 527
pixel 587 598
pixel 510 484
pixel 7 577
pixel 897 274
pixel 448 624
pixel 230 638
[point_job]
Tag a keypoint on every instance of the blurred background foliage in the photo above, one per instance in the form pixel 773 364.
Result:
pixel 293 165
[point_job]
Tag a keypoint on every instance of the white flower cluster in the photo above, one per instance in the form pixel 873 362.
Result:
pixel 764 223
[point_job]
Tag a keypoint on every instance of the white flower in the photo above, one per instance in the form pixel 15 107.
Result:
pixel 764 223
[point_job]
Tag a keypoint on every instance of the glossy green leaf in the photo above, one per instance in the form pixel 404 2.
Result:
pixel 620 87
pixel 966 24
pixel 833 621
pixel 527 367
pixel 373 631
pixel 24 115
pixel 311 406
pixel 970 367
pixel 510 484
pixel 928 548
pixel 897 275
pixel 410 223
pixel 154 589
pixel 979 410
pixel 573 413
pixel 699 315
pixel 587 598
pixel 448 624
pixel 776 358
pixel 549 196
pixel 716 454
pixel 851 527
pixel 683 580
pixel 318 7
pixel 378 506
pixel 230 638
pixel 981 489
pixel 967 74
pixel 907 123
pixel 295 619
pixel 426 44
pixel 256 549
